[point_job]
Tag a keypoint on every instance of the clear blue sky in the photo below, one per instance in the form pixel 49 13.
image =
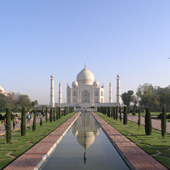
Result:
pixel 43 37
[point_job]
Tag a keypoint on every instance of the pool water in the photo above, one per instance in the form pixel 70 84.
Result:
pixel 85 147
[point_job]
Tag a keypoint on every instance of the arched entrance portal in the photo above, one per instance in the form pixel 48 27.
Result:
pixel 85 97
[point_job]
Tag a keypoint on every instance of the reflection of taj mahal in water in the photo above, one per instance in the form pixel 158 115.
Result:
pixel 85 128
pixel 85 92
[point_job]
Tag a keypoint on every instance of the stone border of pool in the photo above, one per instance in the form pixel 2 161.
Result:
pixel 39 153
pixel 134 156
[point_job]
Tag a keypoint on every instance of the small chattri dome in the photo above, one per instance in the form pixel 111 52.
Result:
pixel 96 84
pixel 85 77
pixel 75 83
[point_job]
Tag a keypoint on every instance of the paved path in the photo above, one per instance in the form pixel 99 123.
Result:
pixel 135 157
pixel 156 124
pixel 36 156
pixel 18 126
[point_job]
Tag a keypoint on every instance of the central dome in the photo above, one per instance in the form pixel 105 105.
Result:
pixel 85 77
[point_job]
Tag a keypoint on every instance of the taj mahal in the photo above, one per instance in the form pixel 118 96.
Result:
pixel 85 91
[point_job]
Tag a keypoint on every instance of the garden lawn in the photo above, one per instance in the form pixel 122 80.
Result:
pixel 154 145
pixel 20 144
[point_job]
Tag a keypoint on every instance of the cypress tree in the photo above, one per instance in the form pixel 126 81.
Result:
pixel 108 111
pixel 54 116
pixel 51 114
pixel 65 111
pixel 23 122
pixel 163 122
pixel 125 116
pixel 34 121
pixel 8 126
pixel 59 113
pixel 41 122
pixel 116 112
pixel 148 122
pixel 139 118
pixel 120 112
pixel 46 114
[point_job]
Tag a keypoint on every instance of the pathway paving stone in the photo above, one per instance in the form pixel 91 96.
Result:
pixel 156 124
pixel 36 156
pixel 135 156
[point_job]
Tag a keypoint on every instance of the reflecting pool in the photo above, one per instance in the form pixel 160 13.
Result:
pixel 84 147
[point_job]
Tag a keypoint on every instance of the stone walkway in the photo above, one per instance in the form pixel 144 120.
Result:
pixel 18 126
pixel 36 156
pixel 156 124
pixel 135 157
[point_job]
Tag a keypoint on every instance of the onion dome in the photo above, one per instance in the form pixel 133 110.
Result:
pixel 96 84
pixel 75 84
pixel 85 77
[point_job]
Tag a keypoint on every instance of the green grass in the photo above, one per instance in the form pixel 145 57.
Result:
pixel 21 144
pixel 150 144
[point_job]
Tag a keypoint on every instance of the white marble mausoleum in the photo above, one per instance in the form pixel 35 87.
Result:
pixel 85 91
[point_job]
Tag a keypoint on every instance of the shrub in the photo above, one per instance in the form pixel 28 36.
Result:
pixel 139 118
pixel 8 125
pixel 120 113
pixel 23 122
pixel 34 121
pixel 46 114
pixel 125 116
pixel 51 115
pixel 148 122
pixel 163 122
pixel 54 116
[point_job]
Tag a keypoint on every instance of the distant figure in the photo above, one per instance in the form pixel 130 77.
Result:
pixel 5 123
pixel 14 122
pixel 28 118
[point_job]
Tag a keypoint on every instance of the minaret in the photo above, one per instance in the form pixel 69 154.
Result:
pixel 52 103
pixel 60 93
pixel 118 91
pixel 110 92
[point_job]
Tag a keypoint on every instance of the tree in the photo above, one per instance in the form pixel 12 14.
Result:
pixel 8 125
pixel 59 113
pixel 147 96
pixel 24 100
pixel 46 114
pixel 148 122
pixel 164 96
pixel 117 112
pixel 2 102
pixel 51 114
pixel 127 97
pixel 54 116
pixel 34 103
pixel 114 113
pixel 65 111
pixel 41 121
pixel 34 121
pixel 125 116
pixel 163 122
pixel 120 113
pixel 23 122
pixel 139 118
pixel 108 111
